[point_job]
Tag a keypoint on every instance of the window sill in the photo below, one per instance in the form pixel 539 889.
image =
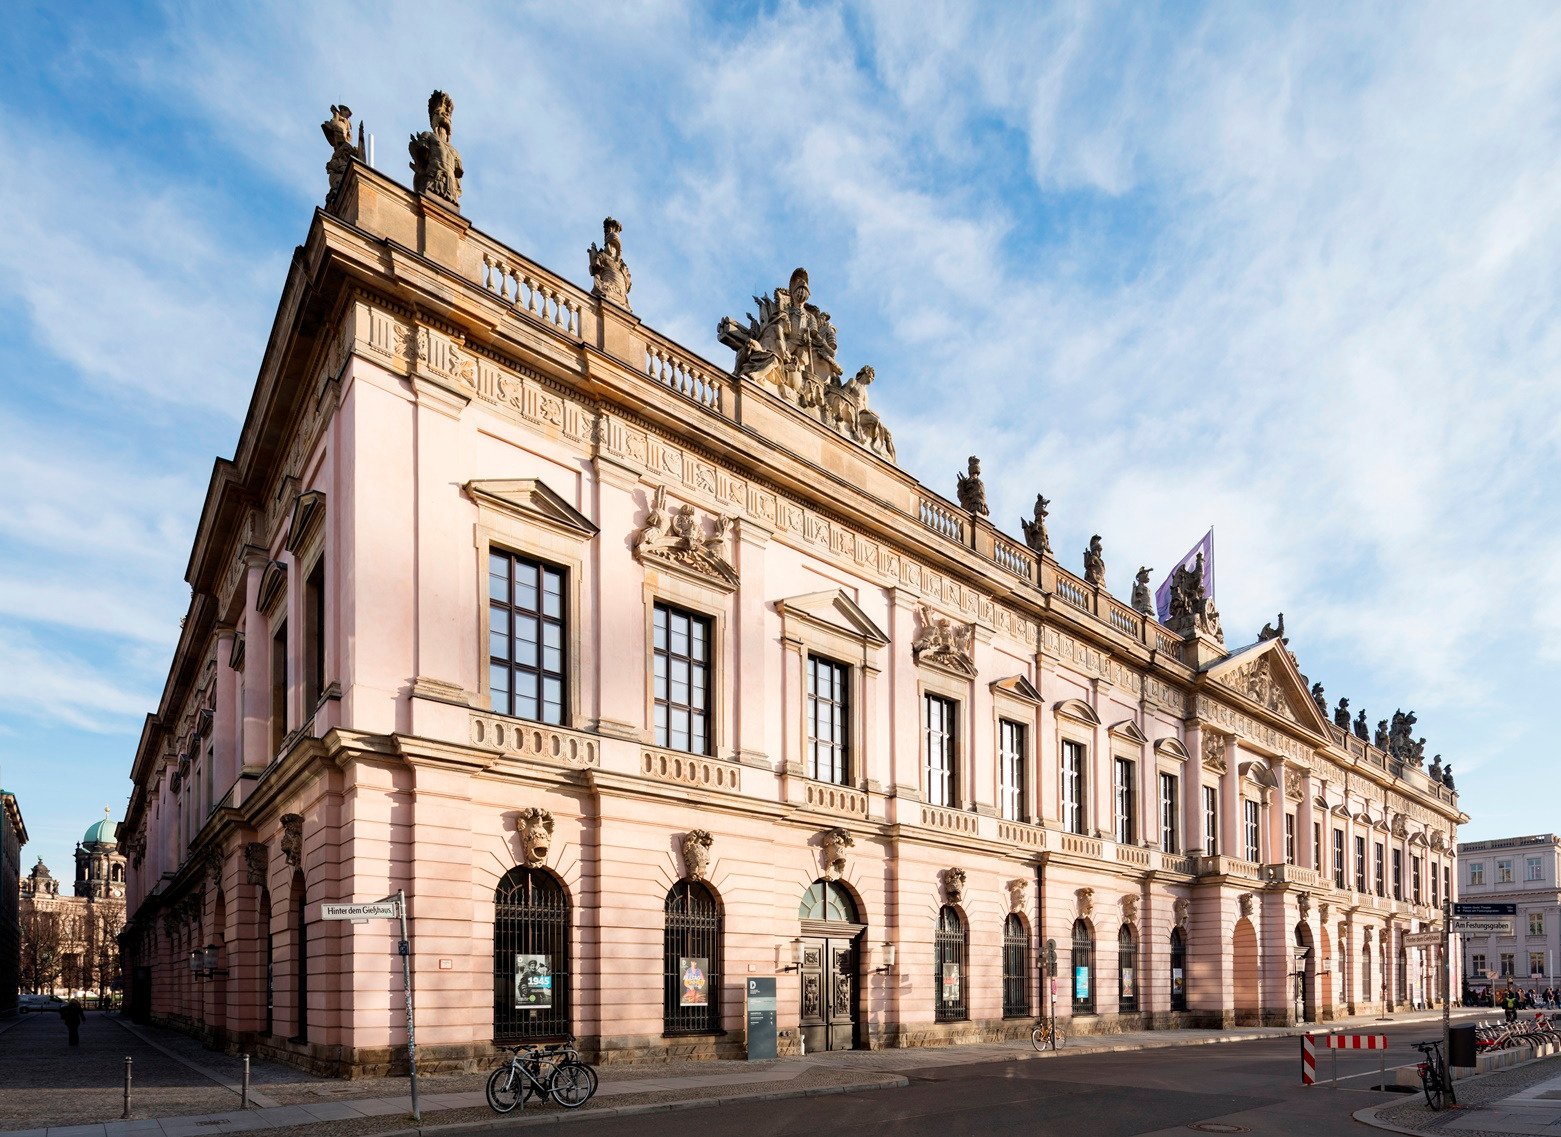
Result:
pixel 693 1034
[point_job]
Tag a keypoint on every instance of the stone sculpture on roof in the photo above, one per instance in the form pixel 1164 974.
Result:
pixel 1317 697
pixel 338 132
pixel 1192 610
pixel 436 164
pixel 609 273
pixel 1380 738
pixel 972 490
pixel 1035 531
pixel 1095 563
pixel 1341 715
pixel 1143 603
pixel 790 347
pixel 1271 632
pixel 1402 744
pixel 1361 731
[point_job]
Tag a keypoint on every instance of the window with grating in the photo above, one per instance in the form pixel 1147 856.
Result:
pixel 691 960
pixel 1127 970
pixel 949 959
pixel 1178 971
pixel 1016 968
pixel 1083 969
pixel 530 957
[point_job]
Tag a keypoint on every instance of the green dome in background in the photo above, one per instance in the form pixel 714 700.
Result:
pixel 101 833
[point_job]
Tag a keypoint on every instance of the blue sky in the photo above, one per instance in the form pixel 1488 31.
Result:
pixel 1290 271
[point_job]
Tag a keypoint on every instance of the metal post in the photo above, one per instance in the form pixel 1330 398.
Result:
pixel 1333 1047
pixel 244 1090
pixel 129 1063
pixel 1447 1010
pixel 405 947
pixel 1382 1071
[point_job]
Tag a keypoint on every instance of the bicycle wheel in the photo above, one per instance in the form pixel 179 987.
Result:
pixel 503 1093
pixel 1058 1037
pixel 573 1084
pixel 1038 1038
pixel 1431 1082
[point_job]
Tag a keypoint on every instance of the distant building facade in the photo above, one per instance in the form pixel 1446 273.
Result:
pixel 1525 871
pixel 642 677
pixel 13 835
pixel 70 941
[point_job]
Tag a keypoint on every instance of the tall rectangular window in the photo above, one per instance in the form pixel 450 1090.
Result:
pixel 1533 870
pixel 1436 897
pixel 1011 773
pixel 1507 966
pixel 1073 787
pixel 681 649
pixel 1536 923
pixel 1317 846
pixel 1289 838
pixel 1360 864
pixel 1211 821
pixel 829 731
pixel 278 687
pixel 526 672
pixel 1476 873
pixel 1379 870
pixel 1338 858
pixel 1477 965
pixel 314 636
pixel 1249 817
pixel 1170 813
pixel 942 727
pixel 1447 882
pixel 1536 964
pixel 1504 870
pixel 1398 874
pixel 1124 786
pixel 1414 879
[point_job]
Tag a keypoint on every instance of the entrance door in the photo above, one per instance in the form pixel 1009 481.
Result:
pixel 829 993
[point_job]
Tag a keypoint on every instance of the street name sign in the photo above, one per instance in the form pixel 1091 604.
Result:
pixel 1481 926
pixel 1422 939
pixel 1485 909
pixel 369 910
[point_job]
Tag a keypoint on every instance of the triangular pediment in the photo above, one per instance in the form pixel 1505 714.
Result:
pixel 834 609
pixel 533 500
pixel 1265 674
pixel 1019 687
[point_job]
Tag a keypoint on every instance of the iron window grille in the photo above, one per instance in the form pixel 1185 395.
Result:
pixel 681 648
pixel 691 960
pixel 1178 971
pixel 530 958
pixel 942 717
pixel 1016 968
pixel 1127 970
pixel 829 717
pixel 950 980
pixel 1010 768
pixel 1083 969
pixel 526 637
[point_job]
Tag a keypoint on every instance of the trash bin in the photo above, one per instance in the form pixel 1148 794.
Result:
pixel 1460 1046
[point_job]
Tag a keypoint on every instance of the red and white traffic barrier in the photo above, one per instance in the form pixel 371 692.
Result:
pixel 1308 1061
pixel 1357 1042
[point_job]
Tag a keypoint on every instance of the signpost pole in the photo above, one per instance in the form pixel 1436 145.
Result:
pixel 1447 984
pixel 405 948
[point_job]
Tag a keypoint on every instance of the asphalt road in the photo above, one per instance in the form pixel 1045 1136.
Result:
pixel 1254 1085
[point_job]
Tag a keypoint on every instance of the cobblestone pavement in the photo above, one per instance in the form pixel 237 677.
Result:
pixel 1477 1098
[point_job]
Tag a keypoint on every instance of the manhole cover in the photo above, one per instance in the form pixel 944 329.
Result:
pixel 1217 1127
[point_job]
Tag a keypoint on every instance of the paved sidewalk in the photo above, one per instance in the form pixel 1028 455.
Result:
pixel 181 1089
pixel 1520 1100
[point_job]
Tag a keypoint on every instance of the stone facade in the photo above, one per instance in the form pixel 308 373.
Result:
pixel 509 602
pixel 1525 871
pixel 70 940
pixel 13 835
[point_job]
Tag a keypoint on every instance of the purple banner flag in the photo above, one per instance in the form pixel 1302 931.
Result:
pixel 1162 596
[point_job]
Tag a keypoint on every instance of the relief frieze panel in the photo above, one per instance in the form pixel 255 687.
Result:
pixel 1246 727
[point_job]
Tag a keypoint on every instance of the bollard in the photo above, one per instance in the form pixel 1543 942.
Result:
pixel 244 1093
pixel 1308 1061
pixel 129 1063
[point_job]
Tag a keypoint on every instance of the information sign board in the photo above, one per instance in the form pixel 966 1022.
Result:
pixel 371 910
pixel 761 1018
pixel 1422 939
pixel 1484 927
pixel 1485 909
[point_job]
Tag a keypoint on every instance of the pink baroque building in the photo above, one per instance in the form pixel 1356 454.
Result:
pixel 643 677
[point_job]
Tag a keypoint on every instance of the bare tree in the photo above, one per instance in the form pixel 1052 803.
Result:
pixel 43 945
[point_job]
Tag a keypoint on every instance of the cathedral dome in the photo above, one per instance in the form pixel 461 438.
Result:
pixel 100 833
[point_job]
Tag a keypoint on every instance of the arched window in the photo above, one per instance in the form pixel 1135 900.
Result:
pixel 949 959
pixel 300 907
pixel 530 957
pixel 1178 971
pixel 1127 970
pixel 691 965
pixel 826 900
pixel 1016 968
pixel 1083 969
pixel 1365 973
pixel 270 956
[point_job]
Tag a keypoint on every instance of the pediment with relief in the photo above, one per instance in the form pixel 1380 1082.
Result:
pixel 679 539
pixel 944 643
pixel 1264 674
pixel 532 500
pixel 834 609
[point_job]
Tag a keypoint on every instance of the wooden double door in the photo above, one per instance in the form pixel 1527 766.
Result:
pixel 830 991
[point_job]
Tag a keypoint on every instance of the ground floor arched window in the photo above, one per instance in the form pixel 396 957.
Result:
pixel 1016 968
pixel 949 963
pixel 1178 970
pixel 1127 970
pixel 530 957
pixel 691 960
pixel 1365 972
pixel 270 958
pixel 1083 968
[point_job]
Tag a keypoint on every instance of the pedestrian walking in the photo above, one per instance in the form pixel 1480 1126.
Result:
pixel 72 1013
pixel 1509 1003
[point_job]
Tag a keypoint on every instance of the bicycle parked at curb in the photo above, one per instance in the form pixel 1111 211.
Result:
pixel 1434 1078
pixel 541 1071
pixel 1047 1036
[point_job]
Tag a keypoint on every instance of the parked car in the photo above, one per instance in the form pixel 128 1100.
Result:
pixel 39 1003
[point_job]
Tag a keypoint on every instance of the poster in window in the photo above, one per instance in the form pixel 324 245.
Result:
pixel 950 981
pixel 1129 991
pixel 533 983
pixel 1178 982
pixel 1081 982
pixel 694 981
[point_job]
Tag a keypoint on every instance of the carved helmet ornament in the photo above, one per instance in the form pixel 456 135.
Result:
pixel 1018 894
pixel 696 853
pixel 954 885
pixel 535 826
pixel 836 842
